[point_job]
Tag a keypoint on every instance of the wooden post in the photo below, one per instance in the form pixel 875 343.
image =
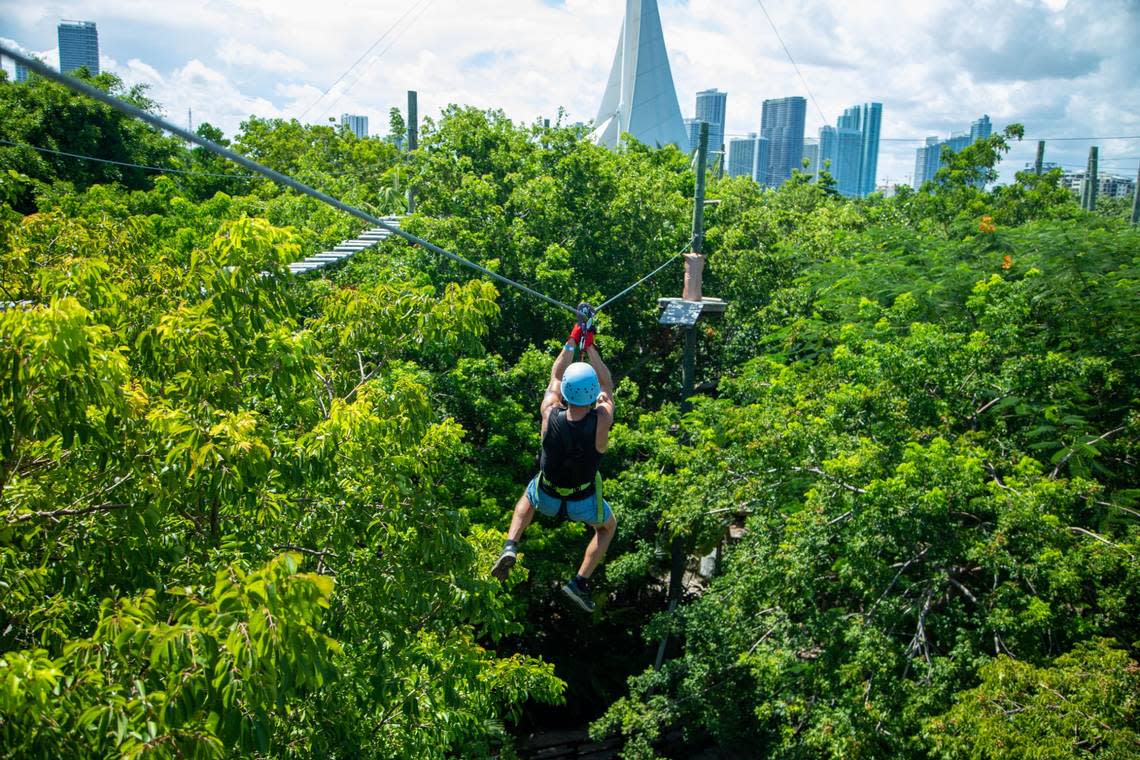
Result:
pixel 413 141
pixel 1039 163
pixel 694 262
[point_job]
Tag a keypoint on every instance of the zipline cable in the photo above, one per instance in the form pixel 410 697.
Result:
pixel 795 66
pixel 188 173
pixel 93 92
pixel 648 277
pixel 162 169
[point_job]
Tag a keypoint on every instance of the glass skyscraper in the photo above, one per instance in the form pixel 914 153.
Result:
pixel 782 124
pixel 856 174
pixel 693 128
pixel 356 124
pixel 848 161
pixel 827 139
pixel 711 106
pixel 980 129
pixel 748 157
pixel 928 158
pixel 78 46
pixel 811 154
pixel 741 155
pixel 872 118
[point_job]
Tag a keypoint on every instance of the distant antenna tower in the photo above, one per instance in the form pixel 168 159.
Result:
pixel 190 119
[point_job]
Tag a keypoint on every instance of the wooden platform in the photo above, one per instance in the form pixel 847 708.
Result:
pixel 708 305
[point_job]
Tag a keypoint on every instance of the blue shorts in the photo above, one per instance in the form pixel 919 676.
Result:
pixel 582 510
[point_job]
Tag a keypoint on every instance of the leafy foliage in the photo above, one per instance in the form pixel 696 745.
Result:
pixel 249 514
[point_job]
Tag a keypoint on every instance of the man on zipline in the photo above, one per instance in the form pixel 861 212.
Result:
pixel 577 414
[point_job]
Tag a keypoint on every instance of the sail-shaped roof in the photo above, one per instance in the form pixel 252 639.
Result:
pixel 640 98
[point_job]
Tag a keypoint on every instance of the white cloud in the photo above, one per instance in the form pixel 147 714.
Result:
pixel 238 53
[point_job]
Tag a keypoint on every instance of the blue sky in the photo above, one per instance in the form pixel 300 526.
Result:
pixel 1061 68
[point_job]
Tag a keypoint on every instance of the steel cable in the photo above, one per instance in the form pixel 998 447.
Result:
pixel 647 277
pixel 186 172
pixel 156 121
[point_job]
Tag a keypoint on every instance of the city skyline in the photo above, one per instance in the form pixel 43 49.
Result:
pixel 926 63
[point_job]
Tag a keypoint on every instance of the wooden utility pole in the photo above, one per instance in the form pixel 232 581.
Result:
pixel 1040 162
pixel 413 142
pixel 1136 200
pixel 685 311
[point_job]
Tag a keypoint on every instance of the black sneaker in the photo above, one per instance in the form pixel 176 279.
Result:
pixel 504 563
pixel 579 597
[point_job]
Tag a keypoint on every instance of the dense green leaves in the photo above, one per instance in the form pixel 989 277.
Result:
pixel 247 514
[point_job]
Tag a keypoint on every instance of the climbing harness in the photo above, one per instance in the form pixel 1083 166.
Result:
pixel 566 495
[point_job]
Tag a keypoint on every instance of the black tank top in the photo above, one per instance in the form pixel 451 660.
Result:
pixel 570 454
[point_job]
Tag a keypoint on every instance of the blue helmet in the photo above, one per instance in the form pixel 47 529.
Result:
pixel 580 386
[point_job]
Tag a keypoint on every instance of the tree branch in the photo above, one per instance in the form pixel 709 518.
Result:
pixel 1102 539
pixel 1073 450
pixel 968 594
pixel 1132 512
pixel 58 513
pixel 822 474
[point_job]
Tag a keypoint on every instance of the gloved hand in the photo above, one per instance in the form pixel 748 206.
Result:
pixel 579 333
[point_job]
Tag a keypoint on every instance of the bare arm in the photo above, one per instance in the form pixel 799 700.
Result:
pixel 603 371
pixel 553 394
pixel 605 403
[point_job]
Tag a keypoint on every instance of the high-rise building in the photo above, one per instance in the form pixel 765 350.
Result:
pixel 693 128
pixel 761 159
pixel 640 97
pixel 356 124
pixel 827 140
pixel 741 155
pixel 927 159
pixel 858 179
pixel 782 124
pixel 811 155
pixel 851 118
pixel 848 161
pixel 711 105
pixel 980 129
pixel 78 46
pixel 21 73
pixel 871 118
pixel 748 157
pixel 958 140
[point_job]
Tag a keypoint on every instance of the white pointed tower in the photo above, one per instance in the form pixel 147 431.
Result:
pixel 640 97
